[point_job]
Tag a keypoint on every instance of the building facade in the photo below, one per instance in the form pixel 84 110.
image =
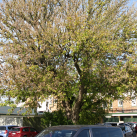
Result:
pixel 125 110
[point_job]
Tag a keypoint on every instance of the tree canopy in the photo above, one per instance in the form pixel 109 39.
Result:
pixel 83 52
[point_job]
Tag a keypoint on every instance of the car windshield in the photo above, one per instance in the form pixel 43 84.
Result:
pixel 131 123
pixel 56 133
pixel 10 127
pixel 15 129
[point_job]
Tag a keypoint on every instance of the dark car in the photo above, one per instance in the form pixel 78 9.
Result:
pixel 4 130
pixel 81 131
pixel 23 132
pixel 127 131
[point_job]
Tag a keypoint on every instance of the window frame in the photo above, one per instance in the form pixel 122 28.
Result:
pixel 120 103
pixel 83 130
pixel 133 102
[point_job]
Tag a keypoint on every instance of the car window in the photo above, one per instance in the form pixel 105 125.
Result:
pixel 56 133
pixel 32 130
pixel 2 128
pixel 121 124
pixel 15 129
pixel 100 132
pixel 107 132
pixel 84 133
pixel 115 132
pixel 114 124
pixel 10 127
pixel 126 128
pixel 25 129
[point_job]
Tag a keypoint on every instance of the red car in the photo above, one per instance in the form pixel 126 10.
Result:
pixel 23 132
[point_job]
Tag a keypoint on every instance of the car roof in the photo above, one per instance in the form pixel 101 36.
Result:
pixel 8 125
pixel 76 127
pixel 21 127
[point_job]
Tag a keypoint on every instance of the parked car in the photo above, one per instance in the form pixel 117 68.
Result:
pixel 4 130
pixel 23 132
pixel 113 123
pixel 125 124
pixel 127 131
pixel 104 124
pixel 133 125
pixel 81 131
pixel 136 128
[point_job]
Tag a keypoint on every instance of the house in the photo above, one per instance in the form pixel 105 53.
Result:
pixel 125 110
pixel 49 105
pixel 13 118
pixel 19 118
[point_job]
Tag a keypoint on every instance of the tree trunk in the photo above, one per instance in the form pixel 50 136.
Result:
pixel 78 104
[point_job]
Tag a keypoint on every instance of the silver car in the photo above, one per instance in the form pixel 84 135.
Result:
pixel 127 131
pixel 133 125
pixel 4 130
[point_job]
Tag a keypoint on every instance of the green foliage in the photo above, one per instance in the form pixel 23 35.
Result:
pixel 91 117
pixel 126 120
pixel 33 122
pixel 55 118
pixel 83 55
pixel 113 119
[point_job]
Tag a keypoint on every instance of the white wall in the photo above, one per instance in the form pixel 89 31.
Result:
pixel 4 120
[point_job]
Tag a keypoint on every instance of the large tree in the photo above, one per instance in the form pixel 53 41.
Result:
pixel 83 52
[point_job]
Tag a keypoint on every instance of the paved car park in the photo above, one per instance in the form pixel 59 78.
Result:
pixel 134 134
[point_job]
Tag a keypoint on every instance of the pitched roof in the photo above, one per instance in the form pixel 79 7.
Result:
pixel 17 111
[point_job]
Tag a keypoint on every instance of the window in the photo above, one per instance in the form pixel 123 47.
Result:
pixel 2 128
pixel 57 133
pixel 120 103
pixel 107 132
pixel 115 132
pixel 84 133
pixel 134 102
pixel 25 129
pixel 10 127
pixel 15 129
pixel 50 100
pixel 100 132
pixel 111 104
pixel 32 130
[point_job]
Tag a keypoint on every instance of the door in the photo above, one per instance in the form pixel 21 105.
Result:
pixel 33 132
pixel 84 133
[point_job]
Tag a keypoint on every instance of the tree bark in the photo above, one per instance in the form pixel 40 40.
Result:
pixel 78 104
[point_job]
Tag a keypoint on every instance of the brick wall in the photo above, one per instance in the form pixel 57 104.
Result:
pixel 127 105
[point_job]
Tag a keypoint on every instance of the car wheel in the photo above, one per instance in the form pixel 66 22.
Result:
pixel 25 136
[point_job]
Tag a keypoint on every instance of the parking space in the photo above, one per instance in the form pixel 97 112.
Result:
pixel 134 134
